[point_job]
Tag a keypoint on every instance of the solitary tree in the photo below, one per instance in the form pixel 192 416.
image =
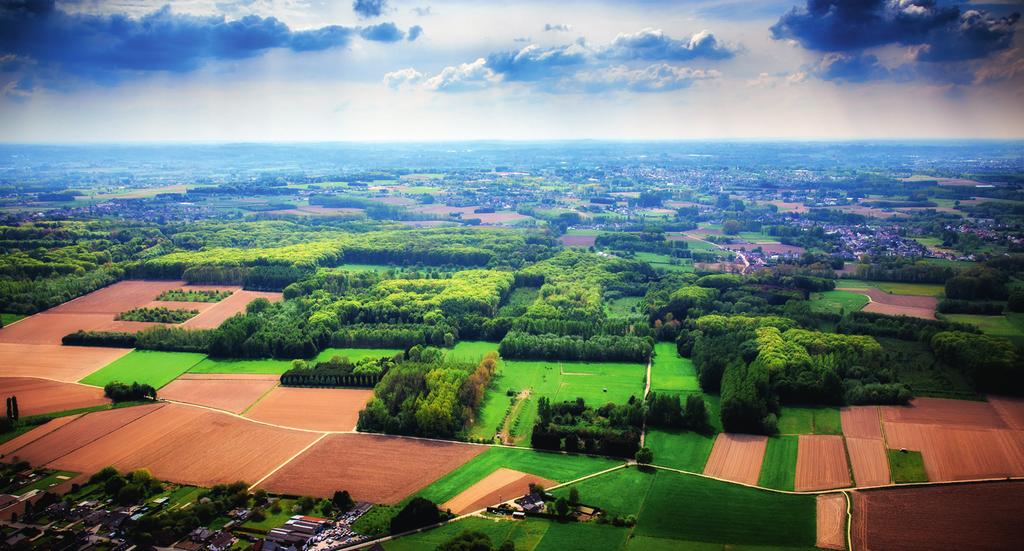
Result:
pixel 14 408
pixel 644 456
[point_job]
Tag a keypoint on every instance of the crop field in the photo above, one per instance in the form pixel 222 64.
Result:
pixel 821 463
pixel 375 468
pixel 222 366
pixel 323 409
pixel 1009 326
pixel 526 535
pixel 62 363
pixel 918 306
pixel 670 372
pixel 737 457
pixel 949 413
pixel 619 493
pixel 552 466
pixel 796 420
pixel 960 516
pixel 960 453
pixel 725 513
pixel 861 422
pixel 233 393
pixel 838 302
pixel 596 383
pixel 895 287
pixel 1010 409
pixel 220 311
pixel 868 461
pixel 778 470
pixel 145 366
pixel 497 487
pixel 36 396
pixel 831 521
pixel 16 440
pixel 687 451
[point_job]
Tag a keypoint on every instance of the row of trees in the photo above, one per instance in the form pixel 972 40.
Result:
pixel 575 427
pixel 602 348
pixel 123 392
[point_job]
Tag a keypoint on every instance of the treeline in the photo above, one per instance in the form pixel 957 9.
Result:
pixel 124 392
pixel 600 348
pixel 898 327
pixel 167 339
pixel 903 270
pixel 991 363
pixel 157 315
pixel 575 427
pixel 34 295
pixel 668 411
pixel 339 372
pixel 426 395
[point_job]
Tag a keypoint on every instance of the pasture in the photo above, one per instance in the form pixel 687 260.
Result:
pixel 799 420
pixel 596 383
pixel 778 470
pixel 528 535
pixel 145 366
pixel 670 372
pixel 262 366
pixel 687 451
pixel 470 351
pixel 837 302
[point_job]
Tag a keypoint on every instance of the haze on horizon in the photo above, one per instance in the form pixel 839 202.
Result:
pixel 82 71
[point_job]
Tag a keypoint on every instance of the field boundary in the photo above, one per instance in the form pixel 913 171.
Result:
pixel 285 463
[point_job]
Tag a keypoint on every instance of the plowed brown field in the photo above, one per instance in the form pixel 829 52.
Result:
pixel 1010 409
pixel 116 298
pixel 861 422
pixel 949 413
pixel 227 392
pixel 584 241
pixel 501 485
pixel 37 396
pixel 869 461
pixel 961 516
pixel 897 305
pixel 821 463
pixel 376 468
pixel 960 453
pixel 325 409
pixel 19 442
pixel 62 363
pixel 737 457
pixel 236 303
pixel 190 445
pixel 78 433
pixel 831 521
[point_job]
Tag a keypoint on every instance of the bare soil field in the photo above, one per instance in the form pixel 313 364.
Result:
pixel 228 307
pixel 869 461
pixel 490 218
pixel 501 485
pixel 861 422
pixel 960 516
pixel 831 521
pixel 375 468
pixel 737 457
pixel 896 305
pixel 53 361
pixel 324 409
pixel 37 396
pixel 821 463
pixel 893 310
pixel 946 412
pixel 584 241
pixel 121 296
pixel 19 442
pixel 960 453
pixel 79 433
pixel 190 445
pixel 789 207
pixel 1010 409
pixel 226 392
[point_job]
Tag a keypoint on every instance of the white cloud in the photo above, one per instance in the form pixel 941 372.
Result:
pixel 403 77
pixel 466 76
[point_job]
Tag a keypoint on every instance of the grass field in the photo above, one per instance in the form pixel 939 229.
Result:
pixel 528 535
pixel 1010 326
pixel 622 307
pixel 145 366
pixel 665 262
pixel 597 383
pixel 837 302
pixel 907 467
pixel 720 512
pixel 273 520
pixel 687 451
pixel 896 288
pixel 471 351
pixel 619 493
pixel 794 420
pixel 492 411
pixel 552 466
pixel 8 319
pixel 356 354
pixel 670 372
pixel 778 470
pixel 264 366
pixel 44 483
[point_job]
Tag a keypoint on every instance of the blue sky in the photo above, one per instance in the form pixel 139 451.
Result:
pixel 315 70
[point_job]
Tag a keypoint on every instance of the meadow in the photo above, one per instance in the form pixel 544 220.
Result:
pixel 778 469
pixel 1009 326
pixel 528 535
pixel 266 366
pixel 596 383
pixel 670 372
pixel 797 420
pixel 906 467
pixel 895 288
pixel 687 451
pixel 145 366
pixel 837 302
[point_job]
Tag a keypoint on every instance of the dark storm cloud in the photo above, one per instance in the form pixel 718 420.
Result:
pixel 105 48
pixel 369 8
pixel 944 32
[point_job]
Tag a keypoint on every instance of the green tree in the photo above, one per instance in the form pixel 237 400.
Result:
pixel 562 507
pixel 574 496
pixel 644 456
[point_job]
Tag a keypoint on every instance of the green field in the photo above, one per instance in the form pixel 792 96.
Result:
pixel 145 366
pixel 264 366
pixel 355 354
pixel 44 484
pixel 778 470
pixel 8 319
pixel 492 412
pixel 471 351
pixel 795 420
pixel 837 302
pixel 670 372
pixel 597 383
pixel 687 451
pixel 1009 326
pixel 527 535
pixel 273 520
pixel 552 466
pixel 896 288
pixel 618 493
pixel 907 467
pixel 622 307
pixel 665 262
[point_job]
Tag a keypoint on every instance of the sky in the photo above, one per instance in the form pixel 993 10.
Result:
pixel 83 71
